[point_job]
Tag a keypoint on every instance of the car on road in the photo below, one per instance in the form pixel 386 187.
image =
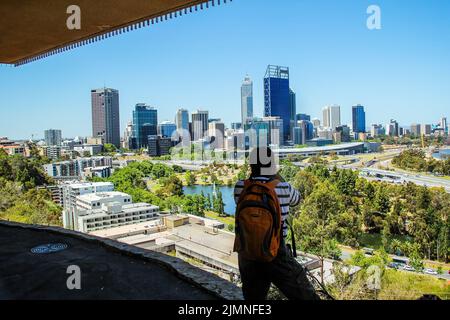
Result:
pixel 429 271
pixel 408 268
pixel 395 265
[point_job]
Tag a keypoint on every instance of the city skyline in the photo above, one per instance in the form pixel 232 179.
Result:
pixel 392 81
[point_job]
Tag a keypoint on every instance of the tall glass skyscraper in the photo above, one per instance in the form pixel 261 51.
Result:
pixel 358 119
pixel 182 120
pixel 105 115
pixel 166 129
pixel 145 123
pixel 277 98
pixel 246 100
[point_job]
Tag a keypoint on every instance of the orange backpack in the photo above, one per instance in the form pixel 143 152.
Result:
pixel 258 221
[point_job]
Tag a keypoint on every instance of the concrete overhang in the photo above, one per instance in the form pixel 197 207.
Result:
pixel 35 29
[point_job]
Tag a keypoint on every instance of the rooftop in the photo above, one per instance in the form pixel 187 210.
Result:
pixel 110 270
pixel 101 195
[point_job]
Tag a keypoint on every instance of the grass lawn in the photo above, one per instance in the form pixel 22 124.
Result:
pixel 373 241
pixel 402 285
pixel 213 215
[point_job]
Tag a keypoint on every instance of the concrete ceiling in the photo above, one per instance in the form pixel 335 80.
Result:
pixel 34 29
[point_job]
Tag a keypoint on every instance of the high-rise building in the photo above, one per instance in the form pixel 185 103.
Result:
pixel 257 134
pixel 216 131
pixel 293 107
pixel 52 137
pixel 158 146
pixel 127 135
pixel 145 123
pixel 376 130
pixel 443 124
pixel 331 116
pixel 236 125
pixel 302 132
pixel 275 125
pixel 166 129
pixel 199 124
pixel 358 119
pixel 303 116
pixel 105 115
pixel 392 128
pixel 425 129
pixel 277 98
pixel 316 122
pixel 415 129
pixel 182 120
pixel 342 134
pixel 246 99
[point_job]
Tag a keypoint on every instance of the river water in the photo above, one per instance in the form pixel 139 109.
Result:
pixel 227 195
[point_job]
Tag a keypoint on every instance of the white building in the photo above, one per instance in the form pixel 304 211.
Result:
pixel 71 191
pixel 331 116
pixel 115 214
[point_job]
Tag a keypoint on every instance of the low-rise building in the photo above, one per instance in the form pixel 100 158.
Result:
pixel 115 214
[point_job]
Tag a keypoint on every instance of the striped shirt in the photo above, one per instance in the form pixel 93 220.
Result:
pixel 287 195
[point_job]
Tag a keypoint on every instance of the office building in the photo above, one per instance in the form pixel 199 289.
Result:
pixel 305 117
pixel 392 129
pixel 275 125
pixel 443 124
pixel 158 146
pixel 216 132
pixel 145 123
pixel 415 129
pixel 72 190
pixel 316 122
pixel 358 119
pixel 342 134
pixel 199 124
pixel 52 137
pixel 293 112
pixel 246 99
pixel 277 97
pixel 182 120
pixel 105 115
pixel 331 116
pixel 236 125
pixel 376 130
pixel 166 129
pixel 257 134
pixel 127 135
pixel 425 129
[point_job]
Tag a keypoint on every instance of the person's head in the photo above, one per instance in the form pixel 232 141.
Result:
pixel 262 162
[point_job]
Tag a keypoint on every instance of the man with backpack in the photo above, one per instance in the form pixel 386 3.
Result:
pixel 263 203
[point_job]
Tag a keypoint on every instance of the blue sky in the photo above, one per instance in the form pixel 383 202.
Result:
pixel 199 61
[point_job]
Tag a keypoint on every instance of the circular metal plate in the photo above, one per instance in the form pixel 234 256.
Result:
pixel 49 248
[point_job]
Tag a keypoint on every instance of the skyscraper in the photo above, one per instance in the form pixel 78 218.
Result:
pixel 415 129
pixel 293 108
pixel 52 137
pixel 277 98
pixel 145 123
pixel 216 131
pixel 199 124
pixel 392 128
pixel 332 116
pixel 246 99
pixel 358 119
pixel 166 129
pixel 182 120
pixel 105 115
pixel 443 124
